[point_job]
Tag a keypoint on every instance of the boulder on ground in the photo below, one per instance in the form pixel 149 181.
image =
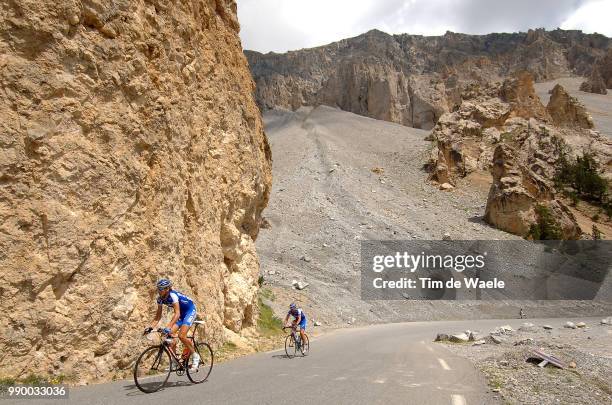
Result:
pixel 459 338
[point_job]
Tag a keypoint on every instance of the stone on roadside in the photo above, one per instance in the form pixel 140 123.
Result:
pixel 459 338
pixel 316 323
pixel 479 342
pixel 496 339
pixel 306 258
pixel 473 336
pixel 547 327
pixel 446 236
pixel 441 337
pixel 570 325
pixel 446 187
pixel 581 325
pixel 527 327
pixel 607 321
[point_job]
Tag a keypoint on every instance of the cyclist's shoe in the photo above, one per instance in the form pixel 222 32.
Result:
pixel 196 362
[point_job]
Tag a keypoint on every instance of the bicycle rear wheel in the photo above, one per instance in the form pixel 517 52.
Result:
pixel 290 346
pixel 152 369
pixel 207 360
pixel 305 347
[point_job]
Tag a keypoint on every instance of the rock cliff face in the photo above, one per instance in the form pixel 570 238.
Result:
pixel 411 79
pixel 132 149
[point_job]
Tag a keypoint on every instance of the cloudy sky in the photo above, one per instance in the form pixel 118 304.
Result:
pixel 281 25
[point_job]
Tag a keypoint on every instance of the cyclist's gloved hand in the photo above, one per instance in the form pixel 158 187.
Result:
pixel 166 331
pixel 148 330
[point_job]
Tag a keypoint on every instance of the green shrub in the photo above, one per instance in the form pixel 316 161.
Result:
pixel 583 177
pixel 547 227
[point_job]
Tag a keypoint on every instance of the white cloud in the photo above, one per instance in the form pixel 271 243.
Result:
pixel 592 17
pixel 281 25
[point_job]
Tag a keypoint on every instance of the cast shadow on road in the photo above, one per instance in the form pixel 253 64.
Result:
pixel 134 391
pixel 284 357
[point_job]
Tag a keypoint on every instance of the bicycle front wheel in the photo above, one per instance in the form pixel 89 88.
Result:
pixel 290 346
pixel 200 374
pixel 152 369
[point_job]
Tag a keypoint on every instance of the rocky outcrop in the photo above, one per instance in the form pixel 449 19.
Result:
pixel 517 192
pixel 465 139
pixel 504 128
pixel 132 148
pixel 411 79
pixel 566 110
pixel 595 83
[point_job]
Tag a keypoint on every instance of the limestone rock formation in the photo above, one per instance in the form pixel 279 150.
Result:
pixel 517 191
pixel 132 148
pixel 411 79
pixel 465 139
pixel 504 128
pixel 595 83
pixel 566 110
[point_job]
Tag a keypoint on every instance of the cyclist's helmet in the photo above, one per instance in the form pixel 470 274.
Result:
pixel 163 284
pixel 292 306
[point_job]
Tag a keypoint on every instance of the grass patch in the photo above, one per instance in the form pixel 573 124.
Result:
pixel 226 351
pixel 7 381
pixel 268 324
pixel 267 294
pixel 496 383
pixel 34 379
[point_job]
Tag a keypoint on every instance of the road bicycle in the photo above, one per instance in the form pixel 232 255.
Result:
pixel 156 363
pixel 293 343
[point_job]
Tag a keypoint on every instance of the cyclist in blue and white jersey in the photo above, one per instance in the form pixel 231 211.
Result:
pixel 184 315
pixel 299 318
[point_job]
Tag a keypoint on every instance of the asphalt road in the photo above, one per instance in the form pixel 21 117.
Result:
pixel 382 364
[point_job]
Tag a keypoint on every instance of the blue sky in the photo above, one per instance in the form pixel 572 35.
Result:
pixel 281 25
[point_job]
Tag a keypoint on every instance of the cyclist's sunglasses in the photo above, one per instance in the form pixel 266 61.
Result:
pixel 160 289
